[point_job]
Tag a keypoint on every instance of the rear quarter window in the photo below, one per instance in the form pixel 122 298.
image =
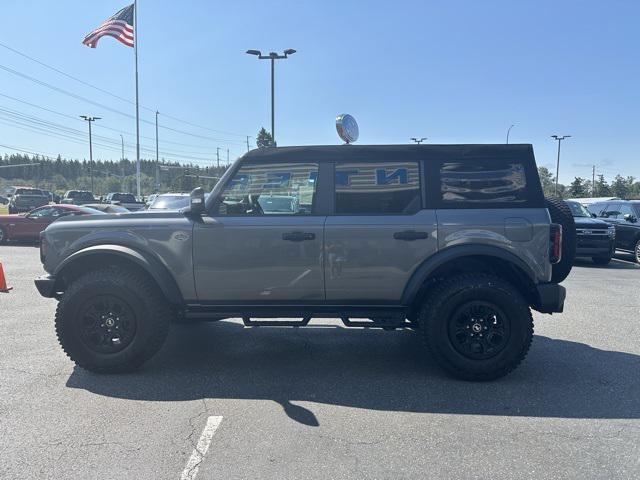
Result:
pixel 487 183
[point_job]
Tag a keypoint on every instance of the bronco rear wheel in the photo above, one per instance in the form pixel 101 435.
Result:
pixel 477 327
pixel 112 320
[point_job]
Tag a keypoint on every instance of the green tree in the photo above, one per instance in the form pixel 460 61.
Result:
pixel 577 188
pixel 620 187
pixel 602 188
pixel 547 180
pixel 264 139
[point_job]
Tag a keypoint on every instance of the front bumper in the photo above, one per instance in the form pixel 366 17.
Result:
pixel 551 298
pixel 46 285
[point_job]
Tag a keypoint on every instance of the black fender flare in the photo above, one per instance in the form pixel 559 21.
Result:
pixel 147 262
pixel 424 271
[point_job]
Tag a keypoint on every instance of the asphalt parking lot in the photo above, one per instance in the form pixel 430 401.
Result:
pixel 325 402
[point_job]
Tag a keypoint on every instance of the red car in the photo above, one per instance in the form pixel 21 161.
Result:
pixel 28 226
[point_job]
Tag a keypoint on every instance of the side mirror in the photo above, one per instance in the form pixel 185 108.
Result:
pixel 593 215
pixel 629 217
pixel 196 201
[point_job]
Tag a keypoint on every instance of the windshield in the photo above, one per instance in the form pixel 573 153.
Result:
pixel 80 195
pixel 170 202
pixel 578 210
pixel 29 191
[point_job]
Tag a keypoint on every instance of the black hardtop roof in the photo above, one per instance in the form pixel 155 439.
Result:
pixel 388 152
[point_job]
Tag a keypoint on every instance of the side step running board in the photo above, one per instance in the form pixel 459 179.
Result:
pixel 385 323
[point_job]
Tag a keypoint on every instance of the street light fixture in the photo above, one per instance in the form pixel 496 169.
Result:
pixel 559 139
pixel 273 56
pixel 508 131
pixel 90 120
pixel 418 140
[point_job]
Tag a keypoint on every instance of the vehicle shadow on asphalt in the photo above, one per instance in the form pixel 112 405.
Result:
pixel 371 369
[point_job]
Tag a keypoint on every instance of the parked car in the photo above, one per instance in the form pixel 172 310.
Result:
pixel 107 207
pixel 28 226
pixel 623 215
pixel 127 200
pixel 170 201
pixel 78 197
pixel 25 199
pixel 595 238
pixel 4 200
pixel 454 241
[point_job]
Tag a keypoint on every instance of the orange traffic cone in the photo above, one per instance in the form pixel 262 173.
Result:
pixel 3 282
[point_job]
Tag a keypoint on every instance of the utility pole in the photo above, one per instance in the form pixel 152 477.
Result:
pixel 218 155
pixel 247 143
pixel 157 157
pixel 273 56
pixel 593 181
pixel 418 140
pixel 559 139
pixel 90 120
pixel 508 131
pixel 227 156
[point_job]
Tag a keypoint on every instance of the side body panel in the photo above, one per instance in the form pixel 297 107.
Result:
pixel 246 258
pixel 365 262
pixel 523 232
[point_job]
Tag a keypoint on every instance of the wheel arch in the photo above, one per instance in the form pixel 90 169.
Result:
pixel 467 259
pixel 105 255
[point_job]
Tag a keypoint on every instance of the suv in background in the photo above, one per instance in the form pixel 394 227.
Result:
pixel 25 199
pixel 623 215
pixel 78 197
pixel 594 238
pixel 453 241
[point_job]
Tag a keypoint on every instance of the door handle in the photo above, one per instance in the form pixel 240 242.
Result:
pixel 410 235
pixel 298 236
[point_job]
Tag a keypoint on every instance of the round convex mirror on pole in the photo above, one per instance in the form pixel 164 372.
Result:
pixel 347 128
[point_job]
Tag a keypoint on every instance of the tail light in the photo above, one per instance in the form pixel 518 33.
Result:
pixel 43 247
pixel 555 245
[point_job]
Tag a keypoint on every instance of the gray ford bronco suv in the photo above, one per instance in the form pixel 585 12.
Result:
pixel 454 241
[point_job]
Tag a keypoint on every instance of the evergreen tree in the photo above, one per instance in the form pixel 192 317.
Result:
pixel 264 139
pixel 577 188
pixel 620 187
pixel 602 188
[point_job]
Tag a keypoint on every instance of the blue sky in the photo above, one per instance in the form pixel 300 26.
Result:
pixel 453 71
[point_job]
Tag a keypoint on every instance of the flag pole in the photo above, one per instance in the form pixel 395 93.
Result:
pixel 135 49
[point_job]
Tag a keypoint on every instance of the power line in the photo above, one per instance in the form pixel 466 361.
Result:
pixel 97 104
pixel 123 99
pixel 100 126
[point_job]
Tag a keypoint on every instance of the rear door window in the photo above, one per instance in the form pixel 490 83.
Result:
pixel 377 188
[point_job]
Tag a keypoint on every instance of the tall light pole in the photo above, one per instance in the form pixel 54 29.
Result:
pixel 122 163
pixel 157 157
pixel 90 120
pixel 273 56
pixel 418 140
pixel 559 139
pixel 509 131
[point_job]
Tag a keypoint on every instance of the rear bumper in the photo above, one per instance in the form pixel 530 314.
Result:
pixel 550 298
pixel 46 285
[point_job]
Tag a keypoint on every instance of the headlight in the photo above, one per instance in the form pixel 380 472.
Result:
pixel 612 231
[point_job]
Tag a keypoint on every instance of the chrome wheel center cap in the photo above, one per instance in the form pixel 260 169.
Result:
pixel 476 327
pixel 110 322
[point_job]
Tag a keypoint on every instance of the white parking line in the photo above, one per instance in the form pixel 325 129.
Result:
pixel 191 470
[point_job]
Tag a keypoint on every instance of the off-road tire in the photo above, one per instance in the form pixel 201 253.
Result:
pixel 151 312
pixel 438 311
pixel 601 260
pixel 561 213
pixel 3 236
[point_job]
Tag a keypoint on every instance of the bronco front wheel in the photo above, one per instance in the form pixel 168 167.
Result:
pixel 477 327
pixel 112 320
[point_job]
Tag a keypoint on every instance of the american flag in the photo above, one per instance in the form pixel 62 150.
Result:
pixel 118 26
